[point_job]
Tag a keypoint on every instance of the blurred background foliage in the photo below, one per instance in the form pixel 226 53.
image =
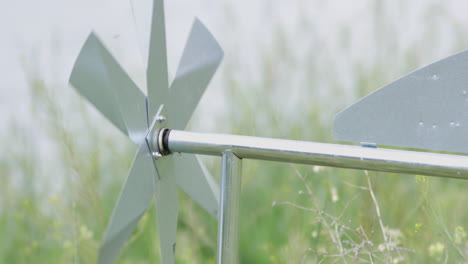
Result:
pixel 55 210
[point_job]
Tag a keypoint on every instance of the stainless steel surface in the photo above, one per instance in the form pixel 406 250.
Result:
pixel 197 182
pixel 156 155
pixel 333 155
pixel 134 199
pixel 156 71
pixel 228 224
pixel 155 135
pixel 200 60
pixel 166 207
pixel 98 77
pixel 189 172
pixel 427 109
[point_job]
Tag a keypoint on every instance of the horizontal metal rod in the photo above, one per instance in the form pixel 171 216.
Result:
pixel 323 154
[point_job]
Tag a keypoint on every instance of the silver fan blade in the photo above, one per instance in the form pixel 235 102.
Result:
pixel 166 208
pixel 99 78
pixel 157 61
pixel 427 109
pixel 141 10
pixel 200 59
pixel 197 182
pixel 135 199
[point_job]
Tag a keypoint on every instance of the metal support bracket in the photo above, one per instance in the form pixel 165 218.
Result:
pixel 228 224
pixel 158 134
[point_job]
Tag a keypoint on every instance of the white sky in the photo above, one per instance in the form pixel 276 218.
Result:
pixel 29 26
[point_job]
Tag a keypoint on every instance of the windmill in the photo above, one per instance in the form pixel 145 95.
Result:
pixel 99 78
pixel 426 109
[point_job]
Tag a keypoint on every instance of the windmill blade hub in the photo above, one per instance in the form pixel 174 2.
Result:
pixel 158 135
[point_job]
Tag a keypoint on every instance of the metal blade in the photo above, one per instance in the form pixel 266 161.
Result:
pixel 200 59
pixel 427 109
pixel 197 182
pixel 141 10
pixel 166 208
pixel 157 61
pixel 99 78
pixel 134 201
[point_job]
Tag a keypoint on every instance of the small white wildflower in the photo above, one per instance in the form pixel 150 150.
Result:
pixel 394 235
pixel 334 194
pixel 436 249
pixel 85 233
pixel 317 169
pixel 382 247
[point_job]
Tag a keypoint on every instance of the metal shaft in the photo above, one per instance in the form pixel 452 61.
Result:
pixel 228 225
pixel 332 155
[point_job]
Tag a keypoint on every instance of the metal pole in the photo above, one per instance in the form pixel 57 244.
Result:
pixel 332 155
pixel 228 224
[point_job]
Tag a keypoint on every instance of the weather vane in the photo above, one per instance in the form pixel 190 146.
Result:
pixel 427 109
